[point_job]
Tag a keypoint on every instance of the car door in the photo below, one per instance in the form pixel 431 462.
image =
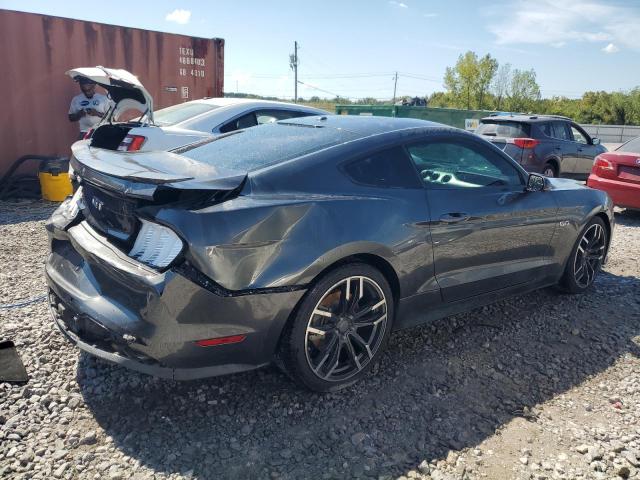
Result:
pixel 488 233
pixel 586 151
pixel 566 146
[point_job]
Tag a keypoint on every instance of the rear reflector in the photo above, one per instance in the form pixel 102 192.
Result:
pixel 212 342
pixel 526 142
pixel 132 143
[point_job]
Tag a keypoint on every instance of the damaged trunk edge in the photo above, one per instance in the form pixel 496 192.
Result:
pixel 227 253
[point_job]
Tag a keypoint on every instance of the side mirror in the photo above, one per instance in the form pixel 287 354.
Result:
pixel 536 183
pixel 595 141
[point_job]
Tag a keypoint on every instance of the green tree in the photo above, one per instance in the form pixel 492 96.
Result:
pixel 523 91
pixel 486 71
pixel 460 80
pixel 469 81
pixel 440 100
pixel 500 84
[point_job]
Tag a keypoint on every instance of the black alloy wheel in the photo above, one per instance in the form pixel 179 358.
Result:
pixel 586 258
pixel 339 329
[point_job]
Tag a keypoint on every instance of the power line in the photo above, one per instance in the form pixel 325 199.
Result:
pixel 319 89
pixel 337 76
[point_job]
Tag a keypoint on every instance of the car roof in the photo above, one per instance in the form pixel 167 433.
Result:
pixel 525 118
pixel 363 126
pixel 228 108
pixel 247 102
pixel 271 146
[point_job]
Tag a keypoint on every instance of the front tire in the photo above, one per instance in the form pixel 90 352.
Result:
pixel 339 330
pixel 586 257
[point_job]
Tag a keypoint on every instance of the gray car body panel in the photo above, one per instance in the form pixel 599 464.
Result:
pixel 260 251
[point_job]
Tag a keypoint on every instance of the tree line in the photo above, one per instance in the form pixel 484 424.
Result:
pixel 480 83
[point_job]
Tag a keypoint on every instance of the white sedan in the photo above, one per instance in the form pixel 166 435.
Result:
pixel 132 124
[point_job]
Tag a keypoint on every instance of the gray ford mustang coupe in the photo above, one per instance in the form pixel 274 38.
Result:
pixel 305 242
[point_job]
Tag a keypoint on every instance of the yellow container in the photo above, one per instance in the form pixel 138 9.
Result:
pixel 55 183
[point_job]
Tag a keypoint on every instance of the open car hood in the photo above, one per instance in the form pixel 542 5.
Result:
pixel 140 174
pixel 122 86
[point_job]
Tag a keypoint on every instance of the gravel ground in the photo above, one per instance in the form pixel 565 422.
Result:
pixel 540 386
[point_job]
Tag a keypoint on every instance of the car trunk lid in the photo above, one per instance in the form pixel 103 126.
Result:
pixel 123 87
pixel 119 187
pixel 626 165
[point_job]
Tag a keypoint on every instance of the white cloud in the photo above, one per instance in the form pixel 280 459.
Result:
pixel 559 22
pixel 429 15
pixel 611 48
pixel 398 4
pixel 179 16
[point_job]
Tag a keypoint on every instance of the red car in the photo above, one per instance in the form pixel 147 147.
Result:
pixel 618 174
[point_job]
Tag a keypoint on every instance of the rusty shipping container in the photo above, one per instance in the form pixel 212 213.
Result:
pixel 36 51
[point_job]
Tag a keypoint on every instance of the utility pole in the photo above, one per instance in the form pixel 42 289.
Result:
pixel 293 64
pixel 395 85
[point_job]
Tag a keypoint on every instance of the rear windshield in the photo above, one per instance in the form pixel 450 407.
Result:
pixel 503 129
pixel 180 113
pixel 632 146
pixel 264 145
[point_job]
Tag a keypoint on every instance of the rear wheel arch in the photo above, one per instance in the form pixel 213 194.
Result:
pixel 555 163
pixel 375 261
pixel 291 348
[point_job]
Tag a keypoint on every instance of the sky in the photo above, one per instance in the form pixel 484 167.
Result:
pixel 353 48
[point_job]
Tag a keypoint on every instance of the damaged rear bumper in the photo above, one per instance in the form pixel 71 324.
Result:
pixel 117 309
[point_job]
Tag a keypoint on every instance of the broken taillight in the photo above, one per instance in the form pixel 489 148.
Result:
pixel 131 143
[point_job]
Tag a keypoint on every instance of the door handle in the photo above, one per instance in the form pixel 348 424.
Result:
pixel 580 149
pixel 454 217
pixel 558 148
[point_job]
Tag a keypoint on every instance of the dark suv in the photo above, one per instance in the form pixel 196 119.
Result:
pixel 551 145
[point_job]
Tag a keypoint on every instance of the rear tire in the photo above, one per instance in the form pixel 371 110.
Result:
pixel 586 257
pixel 339 329
pixel 550 170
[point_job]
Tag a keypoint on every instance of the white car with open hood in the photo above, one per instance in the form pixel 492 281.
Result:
pixel 131 124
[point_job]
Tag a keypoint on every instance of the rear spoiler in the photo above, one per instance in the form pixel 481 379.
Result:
pixel 140 174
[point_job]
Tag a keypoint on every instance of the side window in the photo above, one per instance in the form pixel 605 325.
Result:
pixel 388 169
pixel 273 115
pixel 449 164
pixel 546 129
pixel 578 136
pixel 560 131
pixel 245 121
